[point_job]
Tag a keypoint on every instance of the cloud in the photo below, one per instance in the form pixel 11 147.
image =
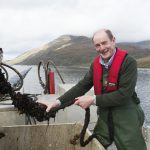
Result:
pixel 27 24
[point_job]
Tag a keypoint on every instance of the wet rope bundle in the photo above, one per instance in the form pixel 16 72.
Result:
pixel 81 136
pixel 25 103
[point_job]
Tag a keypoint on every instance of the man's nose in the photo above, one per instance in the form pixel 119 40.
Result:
pixel 100 48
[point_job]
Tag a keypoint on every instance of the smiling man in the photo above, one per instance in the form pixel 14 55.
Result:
pixel 113 74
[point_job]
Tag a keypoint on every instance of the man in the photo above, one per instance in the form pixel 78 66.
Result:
pixel 113 74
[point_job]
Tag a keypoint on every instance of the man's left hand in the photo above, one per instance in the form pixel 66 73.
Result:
pixel 84 101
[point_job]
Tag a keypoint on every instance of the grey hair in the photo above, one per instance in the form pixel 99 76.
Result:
pixel 107 31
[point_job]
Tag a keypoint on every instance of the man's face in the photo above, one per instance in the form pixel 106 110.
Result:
pixel 104 46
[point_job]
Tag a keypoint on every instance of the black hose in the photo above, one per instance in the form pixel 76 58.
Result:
pixel 5 72
pixel 47 69
pixel 52 63
pixel 41 63
pixel 20 76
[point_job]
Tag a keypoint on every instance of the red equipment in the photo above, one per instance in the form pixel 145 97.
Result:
pixel 51 79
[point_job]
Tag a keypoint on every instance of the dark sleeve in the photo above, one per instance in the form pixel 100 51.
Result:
pixel 79 89
pixel 127 83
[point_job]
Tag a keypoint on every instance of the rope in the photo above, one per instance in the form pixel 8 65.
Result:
pixel 81 136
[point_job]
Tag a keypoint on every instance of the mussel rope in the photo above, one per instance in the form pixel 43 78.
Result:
pixel 86 122
pixel 20 76
pixel 83 131
pixel 5 71
pixel 19 87
pixel 81 136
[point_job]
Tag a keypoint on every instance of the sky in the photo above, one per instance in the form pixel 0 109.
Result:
pixel 28 24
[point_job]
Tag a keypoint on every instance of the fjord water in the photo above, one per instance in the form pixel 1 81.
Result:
pixel 73 75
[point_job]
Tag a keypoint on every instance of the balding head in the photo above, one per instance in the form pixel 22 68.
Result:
pixel 104 43
pixel 101 31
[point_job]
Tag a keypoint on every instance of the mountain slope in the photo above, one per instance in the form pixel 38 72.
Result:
pixel 68 50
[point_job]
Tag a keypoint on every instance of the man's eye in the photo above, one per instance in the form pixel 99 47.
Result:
pixel 97 45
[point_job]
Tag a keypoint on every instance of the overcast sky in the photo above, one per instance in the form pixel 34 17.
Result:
pixel 27 24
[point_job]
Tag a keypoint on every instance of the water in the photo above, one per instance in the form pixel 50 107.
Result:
pixel 73 75
pixel 143 91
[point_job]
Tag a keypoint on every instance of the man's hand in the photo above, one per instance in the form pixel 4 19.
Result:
pixel 50 105
pixel 84 101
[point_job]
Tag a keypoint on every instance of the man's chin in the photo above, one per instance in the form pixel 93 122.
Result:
pixel 105 58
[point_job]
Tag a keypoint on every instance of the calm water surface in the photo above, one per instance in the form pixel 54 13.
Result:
pixel 72 75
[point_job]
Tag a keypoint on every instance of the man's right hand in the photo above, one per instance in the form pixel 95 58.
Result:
pixel 50 105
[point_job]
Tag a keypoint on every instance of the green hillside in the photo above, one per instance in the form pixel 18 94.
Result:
pixel 144 62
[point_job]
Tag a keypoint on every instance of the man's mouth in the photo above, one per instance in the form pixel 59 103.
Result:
pixel 104 52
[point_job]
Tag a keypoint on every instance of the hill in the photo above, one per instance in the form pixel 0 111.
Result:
pixel 68 50
pixel 144 62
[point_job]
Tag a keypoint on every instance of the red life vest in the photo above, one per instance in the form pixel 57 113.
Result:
pixel 112 82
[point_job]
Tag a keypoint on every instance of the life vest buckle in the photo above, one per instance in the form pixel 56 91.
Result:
pixel 112 84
